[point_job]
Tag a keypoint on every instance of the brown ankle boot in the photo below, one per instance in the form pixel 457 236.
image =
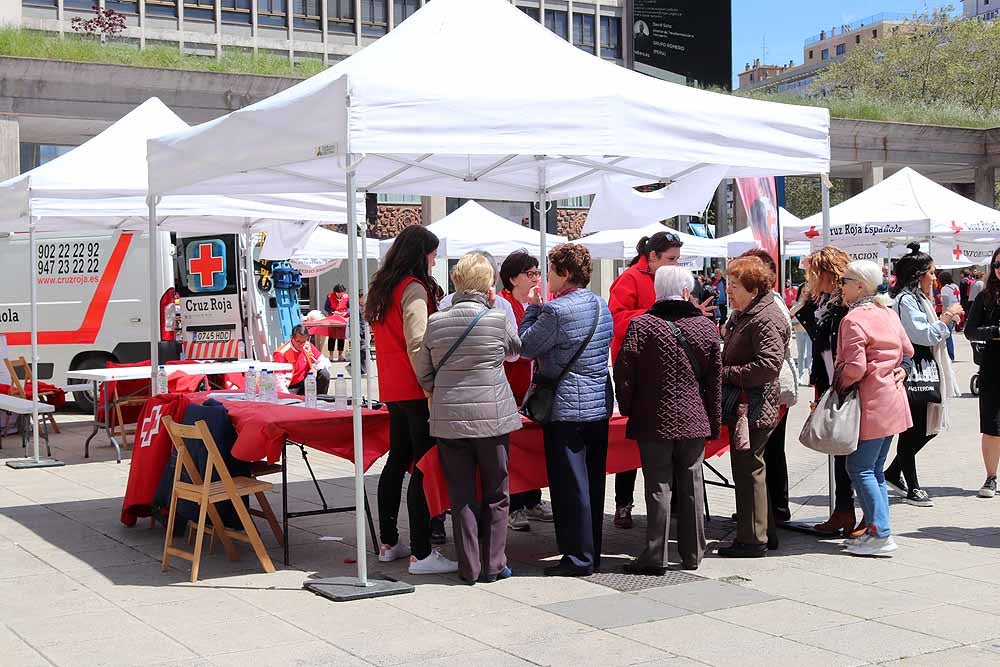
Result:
pixel 837 523
pixel 861 529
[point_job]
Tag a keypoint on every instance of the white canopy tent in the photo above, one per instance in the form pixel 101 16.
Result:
pixel 101 186
pixel 321 251
pixel 440 107
pixel 905 205
pixel 621 243
pixel 474 227
pixel 743 240
pixel 620 206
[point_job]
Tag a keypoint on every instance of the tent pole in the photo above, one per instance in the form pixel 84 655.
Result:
pixel 34 336
pixel 249 345
pixel 154 297
pixel 36 461
pixel 366 352
pixel 355 331
pixel 824 180
pixel 347 588
pixel 543 260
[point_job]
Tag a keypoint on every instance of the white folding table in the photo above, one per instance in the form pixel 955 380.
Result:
pixel 99 376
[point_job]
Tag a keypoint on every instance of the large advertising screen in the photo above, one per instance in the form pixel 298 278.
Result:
pixel 691 39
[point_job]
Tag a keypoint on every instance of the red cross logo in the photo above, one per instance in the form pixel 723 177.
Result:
pixel 955 227
pixel 150 427
pixel 812 233
pixel 957 252
pixel 205 264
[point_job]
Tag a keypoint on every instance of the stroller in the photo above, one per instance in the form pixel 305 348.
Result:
pixel 977 357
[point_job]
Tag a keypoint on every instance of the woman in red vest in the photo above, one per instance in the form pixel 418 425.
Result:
pixel 401 298
pixel 632 294
pixel 519 273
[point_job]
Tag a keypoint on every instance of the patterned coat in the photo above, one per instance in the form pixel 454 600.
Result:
pixel 657 388
pixel 753 354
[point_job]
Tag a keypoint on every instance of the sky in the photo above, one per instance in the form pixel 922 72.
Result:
pixel 781 26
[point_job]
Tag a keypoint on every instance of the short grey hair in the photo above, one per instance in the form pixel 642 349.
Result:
pixel 489 258
pixel 671 281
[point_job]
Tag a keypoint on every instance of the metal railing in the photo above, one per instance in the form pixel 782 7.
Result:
pixel 857 25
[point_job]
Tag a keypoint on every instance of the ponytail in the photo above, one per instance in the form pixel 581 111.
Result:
pixel 882 297
pixel 658 242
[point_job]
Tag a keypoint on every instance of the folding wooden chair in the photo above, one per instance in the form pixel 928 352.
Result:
pixel 118 421
pixel 206 493
pixel 19 370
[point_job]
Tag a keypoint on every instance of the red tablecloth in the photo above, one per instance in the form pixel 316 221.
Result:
pixel 334 326
pixel 262 428
pixel 526 465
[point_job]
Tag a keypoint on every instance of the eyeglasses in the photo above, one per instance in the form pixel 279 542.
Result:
pixel 671 237
pixel 845 280
pixel 533 273
pixel 996 266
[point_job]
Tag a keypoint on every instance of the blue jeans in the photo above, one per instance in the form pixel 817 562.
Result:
pixel 866 467
pixel 951 340
pixel 803 343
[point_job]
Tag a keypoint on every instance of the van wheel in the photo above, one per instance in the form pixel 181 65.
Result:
pixel 974 385
pixel 88 361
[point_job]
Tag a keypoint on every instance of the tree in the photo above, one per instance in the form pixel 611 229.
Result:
pixel 935 58
pixel 804 196
pixel 106 24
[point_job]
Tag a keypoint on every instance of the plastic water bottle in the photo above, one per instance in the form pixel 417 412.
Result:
pixel 310 388
pixel 161 380
pixel 271 392
pixel 340 392
pixel 250 393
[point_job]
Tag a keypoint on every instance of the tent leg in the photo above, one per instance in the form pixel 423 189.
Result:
pixel 154 297
pixel 343 589
pixel 824 180
pixel 366 352
pixel 35 461
pixel 543 219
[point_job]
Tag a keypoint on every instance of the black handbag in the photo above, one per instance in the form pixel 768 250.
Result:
pixel 923 384
pixel 541 395
pixel 732 396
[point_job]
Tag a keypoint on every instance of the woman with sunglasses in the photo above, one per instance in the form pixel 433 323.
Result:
pixel 519 273
pixel 821 318
pixel 632 294
pixel 983 326
pixel 929 334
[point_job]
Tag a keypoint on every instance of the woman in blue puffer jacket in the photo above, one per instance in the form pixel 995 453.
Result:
pixel 576 436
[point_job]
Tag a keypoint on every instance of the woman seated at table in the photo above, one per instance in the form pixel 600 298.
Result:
pixel 668 380
pixel 472 412
pixel 572 332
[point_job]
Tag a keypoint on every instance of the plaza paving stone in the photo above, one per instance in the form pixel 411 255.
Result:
pixel 79 588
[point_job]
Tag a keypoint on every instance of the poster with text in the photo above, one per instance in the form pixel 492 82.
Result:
pixel 690 38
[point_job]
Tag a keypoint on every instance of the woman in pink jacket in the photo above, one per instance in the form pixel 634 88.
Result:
pixel 871 351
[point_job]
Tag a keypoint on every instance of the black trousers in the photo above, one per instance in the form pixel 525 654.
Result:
pixel 910 442
pixel 525 500
pixel 843 496
pixel 777 472
pixel 625 488
pixel 576 455
pixel 322 384
pixel 336 344
pixel 409 440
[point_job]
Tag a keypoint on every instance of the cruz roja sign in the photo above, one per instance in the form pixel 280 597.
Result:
pixel 685 40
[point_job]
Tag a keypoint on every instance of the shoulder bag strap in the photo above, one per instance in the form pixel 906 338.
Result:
pixel 686 346
pixel 458 341
pixel 583 346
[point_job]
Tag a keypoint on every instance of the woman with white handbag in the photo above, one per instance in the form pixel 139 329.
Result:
pixel 871 347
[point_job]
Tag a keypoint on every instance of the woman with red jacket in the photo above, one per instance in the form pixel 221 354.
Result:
pixel 632 294
pixel 519 273
pixel 337 301
pixel 400 300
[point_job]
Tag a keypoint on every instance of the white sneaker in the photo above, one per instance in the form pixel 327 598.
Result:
pixel 874 546
pixel 857 540
pixel 436 563
pixel 540 512
pixel 388 554
pixel 518 521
